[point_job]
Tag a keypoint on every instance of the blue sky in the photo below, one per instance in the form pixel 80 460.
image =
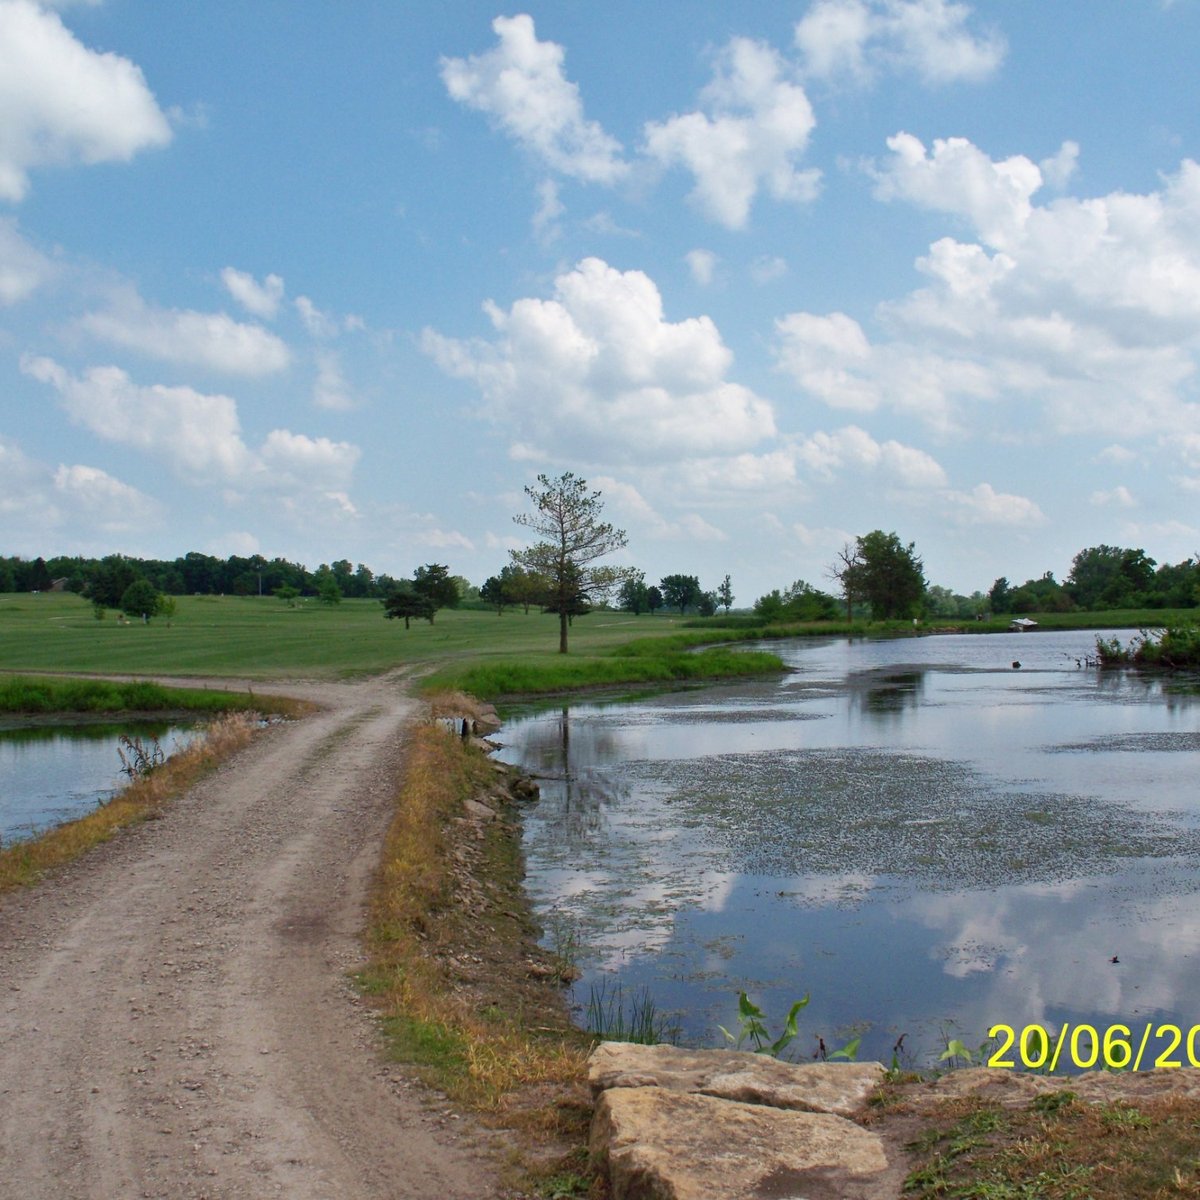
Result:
pixel 323 280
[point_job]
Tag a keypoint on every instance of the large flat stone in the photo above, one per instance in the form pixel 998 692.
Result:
pixel 662 1145
pixel 840 1088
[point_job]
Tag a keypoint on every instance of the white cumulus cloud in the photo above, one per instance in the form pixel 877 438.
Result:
pixel 753 126
pixel 198 435
pixel 81 504
pixel 702 264
pixel 61 103
pixel 520 85
pixel 330 391
pixel 1118 497
pixel 983 505
pixel 598 373
pixel 259 299
pixel 629 505
pixel 1084 310
pixel 23 269
pixel 113 506
pixel 857 40
pixel 185 337
pixel 828 453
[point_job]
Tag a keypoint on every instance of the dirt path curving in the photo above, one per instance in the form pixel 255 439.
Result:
pixel 175 1017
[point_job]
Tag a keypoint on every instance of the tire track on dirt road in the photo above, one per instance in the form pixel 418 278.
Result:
pixel 175 1018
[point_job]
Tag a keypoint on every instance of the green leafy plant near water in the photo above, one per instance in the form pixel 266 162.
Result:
pixel 752 1027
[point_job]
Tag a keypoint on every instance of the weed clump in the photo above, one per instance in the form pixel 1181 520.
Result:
pixel 1173 647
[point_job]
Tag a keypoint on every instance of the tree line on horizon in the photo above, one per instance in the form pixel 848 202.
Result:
pixel 105 579
pixel 886 579
pixel 876 575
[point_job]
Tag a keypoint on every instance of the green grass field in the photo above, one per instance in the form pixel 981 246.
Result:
pixel 261 638
pixel 252 637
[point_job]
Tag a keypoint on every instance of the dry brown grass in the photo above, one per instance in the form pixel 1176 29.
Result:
pixel 451 947
pixel 454 704
pixel 26 862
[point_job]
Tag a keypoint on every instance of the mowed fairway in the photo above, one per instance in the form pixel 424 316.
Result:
pixel 261 638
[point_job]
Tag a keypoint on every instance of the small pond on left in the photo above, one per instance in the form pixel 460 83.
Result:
pixel 54 772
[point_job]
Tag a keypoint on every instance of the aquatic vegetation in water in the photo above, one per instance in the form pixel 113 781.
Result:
pixel 1175 647
pixel 643 1023
pixel 903 815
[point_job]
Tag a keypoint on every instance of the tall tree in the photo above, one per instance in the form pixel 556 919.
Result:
pixel 1110 577
pixel 892 577
pixel 680 591
pixel 566 518
pixel 140 599
pixel 632 597
pixel 522 587
pixel 406 602
pixel 494 593
pixel 725 594
pixel 437 585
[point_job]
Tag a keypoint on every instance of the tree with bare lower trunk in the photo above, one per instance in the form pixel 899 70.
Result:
pixel 848 572
pixel 566 518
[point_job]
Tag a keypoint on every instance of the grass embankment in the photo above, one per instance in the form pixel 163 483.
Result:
pixel 465 993
pixel 25 862
pixel 644 661
pixel 38 695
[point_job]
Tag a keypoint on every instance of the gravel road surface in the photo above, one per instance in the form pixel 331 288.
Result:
pixel 175 1015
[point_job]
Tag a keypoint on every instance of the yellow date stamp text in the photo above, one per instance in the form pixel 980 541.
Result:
pixel 1085 1047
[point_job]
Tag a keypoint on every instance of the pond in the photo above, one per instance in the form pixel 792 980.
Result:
pixel 51 773
pixel 925 838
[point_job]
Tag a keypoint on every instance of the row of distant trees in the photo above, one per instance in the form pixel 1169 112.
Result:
pixel 105 580
pixel 517 587
pixel 1104 578
pixel 878 575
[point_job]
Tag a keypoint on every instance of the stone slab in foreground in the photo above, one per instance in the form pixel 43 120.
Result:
pixel 841 1088
pixel 674 1124
pixel 679 1146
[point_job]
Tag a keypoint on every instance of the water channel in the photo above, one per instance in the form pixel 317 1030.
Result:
pixel 923 837
pixel 51 772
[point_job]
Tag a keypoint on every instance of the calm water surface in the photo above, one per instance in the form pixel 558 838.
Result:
pixel 923 838
pixel 53 773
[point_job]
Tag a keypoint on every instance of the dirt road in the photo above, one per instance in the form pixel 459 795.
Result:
pixel 175 1018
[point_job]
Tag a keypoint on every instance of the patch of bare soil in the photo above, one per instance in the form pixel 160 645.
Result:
pixel 175 1014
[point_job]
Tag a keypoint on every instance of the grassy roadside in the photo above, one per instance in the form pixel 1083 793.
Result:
pixel 28 695
pixel 463 991
pixel 27 861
